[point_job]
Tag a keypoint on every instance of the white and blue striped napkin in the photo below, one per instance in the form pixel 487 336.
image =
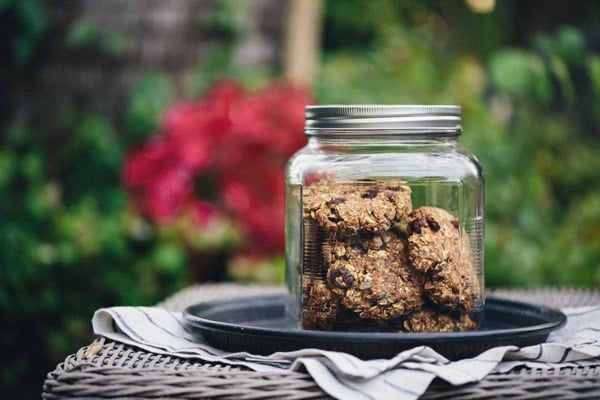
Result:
pixel 405 376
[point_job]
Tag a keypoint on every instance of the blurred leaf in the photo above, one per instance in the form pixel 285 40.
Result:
pixel 561 72
pixel 20 138
pixel 225 20
pixel 148 98
pixel 509 71
pixel 570 45
pixel 81 33
pixel 349 24
pixel 84 33
pixel 7 165
pixel 593 65
pixel 170 257
pixel 115 43
pixel 518 73
pixel 32 22
pixel 93 150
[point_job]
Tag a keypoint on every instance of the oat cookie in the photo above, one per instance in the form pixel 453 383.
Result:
pixel 437 248
pixel 449 286
pixel 370 206
pixel 430 320
pixel 374 278
pixel 433 237
pixel 320 306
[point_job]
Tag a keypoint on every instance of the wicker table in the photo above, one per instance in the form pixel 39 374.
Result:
pixel 106 369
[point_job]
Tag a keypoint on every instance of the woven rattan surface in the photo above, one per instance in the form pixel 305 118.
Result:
pixel 105 369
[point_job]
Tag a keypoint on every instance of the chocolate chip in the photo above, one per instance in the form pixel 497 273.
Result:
pixel 341 278
pixel 454 223
pixel 433 225
pixel 370 194
pixel 356 245
pixel 417 225
pixel 337 200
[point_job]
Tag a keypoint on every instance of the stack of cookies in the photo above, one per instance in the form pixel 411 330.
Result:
pixel 371 260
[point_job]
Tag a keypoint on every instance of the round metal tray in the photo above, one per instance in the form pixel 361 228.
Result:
pixel 259 325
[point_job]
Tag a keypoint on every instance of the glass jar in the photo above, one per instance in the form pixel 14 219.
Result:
pixel 384 221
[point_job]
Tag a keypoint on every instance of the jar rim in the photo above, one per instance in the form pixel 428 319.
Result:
pixel 378 117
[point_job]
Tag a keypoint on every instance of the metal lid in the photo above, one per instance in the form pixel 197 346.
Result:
pixel 390 118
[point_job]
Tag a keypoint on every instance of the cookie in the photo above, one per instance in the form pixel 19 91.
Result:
pixel 431 320
pixel 349 208
pixel 433 237
pixel 374 279
pixel 449 286
pixel 320 306
pixel 438 249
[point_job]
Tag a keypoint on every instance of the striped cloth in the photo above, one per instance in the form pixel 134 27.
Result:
pixel 405 376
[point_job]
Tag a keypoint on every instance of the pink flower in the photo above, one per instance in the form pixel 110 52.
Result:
pixel 203 212
pixel 167 195
pixel 271 119
pixel 191 128
pixel 222 156
pixel 143 164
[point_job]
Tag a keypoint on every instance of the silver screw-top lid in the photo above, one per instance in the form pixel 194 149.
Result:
pixel 382 118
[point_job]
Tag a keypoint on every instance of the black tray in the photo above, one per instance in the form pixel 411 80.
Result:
pixel 258 325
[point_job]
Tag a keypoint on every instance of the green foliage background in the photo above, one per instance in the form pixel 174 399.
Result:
pixel 530 114
pixel 70 244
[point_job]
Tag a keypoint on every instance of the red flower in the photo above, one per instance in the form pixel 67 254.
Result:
pixel 203 212
pixel 222 155
pixel 271 119
pixel 143 164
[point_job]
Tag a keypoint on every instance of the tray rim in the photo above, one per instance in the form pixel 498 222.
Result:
pixel 556 319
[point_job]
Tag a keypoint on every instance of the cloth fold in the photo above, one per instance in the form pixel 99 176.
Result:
pixel 405 376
